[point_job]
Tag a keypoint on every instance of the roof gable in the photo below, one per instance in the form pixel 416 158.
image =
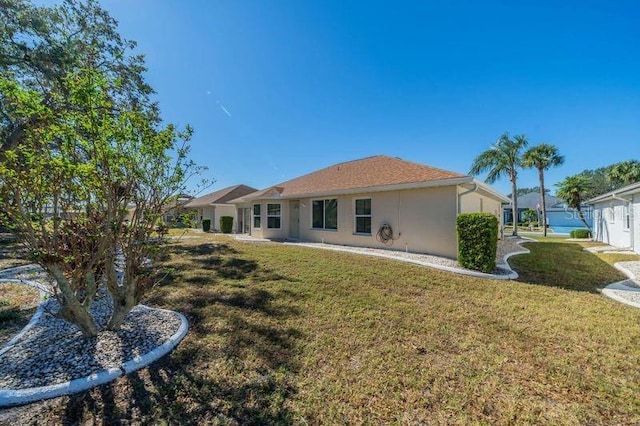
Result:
pixel 370 172
pixel 222 196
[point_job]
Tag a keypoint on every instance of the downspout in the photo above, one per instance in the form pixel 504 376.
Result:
pixel 631 233
pixel 475 188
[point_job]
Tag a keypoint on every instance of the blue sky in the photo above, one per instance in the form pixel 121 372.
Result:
pixel 276 89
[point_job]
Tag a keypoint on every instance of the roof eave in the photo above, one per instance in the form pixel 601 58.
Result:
pixel 490 191
pixel 634 188
pixel 362 190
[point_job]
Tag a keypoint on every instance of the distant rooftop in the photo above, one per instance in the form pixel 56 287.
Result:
pixel 222 196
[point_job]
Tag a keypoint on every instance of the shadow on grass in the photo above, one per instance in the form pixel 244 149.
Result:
pixel 563 265
pixel 234 374
pixel 233 366
pixel 209 263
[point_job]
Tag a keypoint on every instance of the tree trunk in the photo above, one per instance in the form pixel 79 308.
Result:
pixel 71 309
pixel 544 203
pixel 123 293
pixel 514 205
pixel 122 305
pixel 581 216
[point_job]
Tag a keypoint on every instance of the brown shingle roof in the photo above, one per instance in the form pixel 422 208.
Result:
pixel 377 171
pixel 221 196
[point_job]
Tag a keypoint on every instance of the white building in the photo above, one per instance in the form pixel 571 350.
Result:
pixel 614 221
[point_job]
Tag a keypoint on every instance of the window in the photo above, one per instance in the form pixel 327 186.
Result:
pixel 363 216
pixel 627 219
pixel 256 216
pixel 273 216
pixel 324 214
pixel 612 213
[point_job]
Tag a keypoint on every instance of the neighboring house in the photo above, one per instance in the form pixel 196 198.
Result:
pixel 614 220
pixel 175 207
pixel 350 203
pixel 216 204
pixel 560 218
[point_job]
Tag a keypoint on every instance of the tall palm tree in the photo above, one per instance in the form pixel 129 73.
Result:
pixel 542 157
pixel 572 190
pixel 624 173
pixel 503 159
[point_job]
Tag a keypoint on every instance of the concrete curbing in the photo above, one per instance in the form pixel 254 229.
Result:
pixel 610 290
pixel 36 316
pixel 12 397
pixel 157 353
pixel 505 261
pixel 624 270
pixel 505 265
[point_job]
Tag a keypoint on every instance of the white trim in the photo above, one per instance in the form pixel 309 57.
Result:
pixel 253 216
pixel 380 188
pixel 324 214
pixel 279 216
pixel 356 216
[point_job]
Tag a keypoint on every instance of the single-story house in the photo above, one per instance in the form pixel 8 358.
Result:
pixel 377 201
pixel 174 208
pixel 560 217
pixel 216 204
pixel 614 220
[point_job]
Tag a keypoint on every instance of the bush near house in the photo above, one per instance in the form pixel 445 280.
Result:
pixel 580 233
pixel 477 241
pixel 226 224
pixel 206 225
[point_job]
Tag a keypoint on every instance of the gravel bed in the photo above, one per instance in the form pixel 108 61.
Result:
pixel 54 351
pixel 633 267
pixel 631 296
pixel 506 246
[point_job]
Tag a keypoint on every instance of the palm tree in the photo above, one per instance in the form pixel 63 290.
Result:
pixel 572 190
pixel 624 173
pixel 542 157
pixel 503 159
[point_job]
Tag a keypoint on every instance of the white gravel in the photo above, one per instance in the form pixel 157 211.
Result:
pixel 54 351
pixel 505 247
pixel 628 291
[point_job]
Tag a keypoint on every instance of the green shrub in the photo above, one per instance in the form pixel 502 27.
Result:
pixel 226 224
pixel 477 241
pixel 206 225
pixel 580 233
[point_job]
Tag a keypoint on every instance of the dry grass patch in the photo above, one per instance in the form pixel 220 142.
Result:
pixel 291 335
pixel 17 305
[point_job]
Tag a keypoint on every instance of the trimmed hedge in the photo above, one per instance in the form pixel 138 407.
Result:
pixel 206 225
pixel 477 241
pixel 226 224
pixel 580 233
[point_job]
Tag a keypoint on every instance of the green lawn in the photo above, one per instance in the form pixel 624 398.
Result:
pixel 283 334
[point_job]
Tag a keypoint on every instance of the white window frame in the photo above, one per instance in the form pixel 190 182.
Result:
pixel 356 215
pixel 258 216
pixel 626 218
pixel 279 215
pixel 612 213
pixel 324 214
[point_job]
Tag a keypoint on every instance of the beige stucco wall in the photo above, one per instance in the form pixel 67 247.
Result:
pixel 474 202
pixel 214 212
pixel 422 220
pixel 263 231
